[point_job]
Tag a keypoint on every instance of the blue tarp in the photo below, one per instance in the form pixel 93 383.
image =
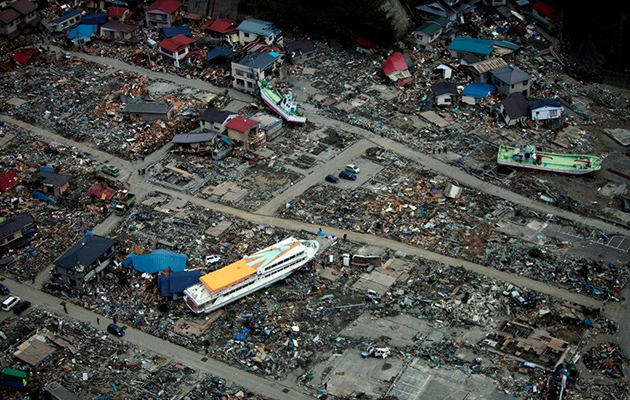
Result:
pixel 479 90
pixel 82 31
pixel 94 19
pixel 176 30
pixel 177 282
pixel 157 261
pixel 220 51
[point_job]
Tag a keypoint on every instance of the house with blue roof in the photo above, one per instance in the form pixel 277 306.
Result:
pixel 252 30
pixel 484 48
pixel 66 21
pixel 252 68
pixel 477 91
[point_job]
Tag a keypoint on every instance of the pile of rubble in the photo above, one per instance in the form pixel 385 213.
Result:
pixel 607 358
pixel 59 224
pixel 84 101
pixel 86 361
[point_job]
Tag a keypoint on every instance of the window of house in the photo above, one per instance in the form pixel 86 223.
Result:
pixel 182 51
pixel 512 86
pixel 553 113
pixel 447 100
pixel 250 85
pixel 240 82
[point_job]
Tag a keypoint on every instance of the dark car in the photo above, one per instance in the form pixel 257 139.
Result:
pixel 115 330
pixel 4 290
pixel 332 179
pixel 21 307
pixel 347 175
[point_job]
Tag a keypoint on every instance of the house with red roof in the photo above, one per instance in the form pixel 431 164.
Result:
pixel 163 13
pixel 117 13
pixel 546 14
pixel 178 50
pixel 223 28
pixel 396 68
pixel 244 131
pixel 9 180
pixel 18 17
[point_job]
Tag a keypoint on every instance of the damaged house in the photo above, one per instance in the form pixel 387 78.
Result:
pixel 87 259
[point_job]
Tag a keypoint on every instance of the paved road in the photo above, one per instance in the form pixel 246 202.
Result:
pixel 251 382
pixel 461 176
pixel 316 176
pixel 193 83
pixel 141 187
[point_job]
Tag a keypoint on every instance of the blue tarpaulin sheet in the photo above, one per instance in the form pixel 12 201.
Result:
pixel 176 30
pixel 82 31
pixel 157 261
pixel 479 90
pixel 226 140
pixel 177 282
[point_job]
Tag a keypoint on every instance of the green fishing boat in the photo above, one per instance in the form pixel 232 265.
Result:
pixel 528 158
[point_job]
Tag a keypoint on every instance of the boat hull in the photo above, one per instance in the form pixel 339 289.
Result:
pixel 545 169
pixel 281 112
pixel 529 159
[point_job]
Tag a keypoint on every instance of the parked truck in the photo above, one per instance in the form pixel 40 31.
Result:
pixel 124 204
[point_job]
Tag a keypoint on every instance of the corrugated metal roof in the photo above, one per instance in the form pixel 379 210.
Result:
pixel 487 65
pixel 193 137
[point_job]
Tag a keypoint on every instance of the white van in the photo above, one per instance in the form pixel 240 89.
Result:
pixel 10 302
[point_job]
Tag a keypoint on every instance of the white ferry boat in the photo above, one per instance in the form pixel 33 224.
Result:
pixel 261 269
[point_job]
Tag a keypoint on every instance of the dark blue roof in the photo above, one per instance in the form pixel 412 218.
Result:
pixel 177 282
pixel 220 51
pixel 94 19
pixel 176 30
pixel 544 103
pixel 258 60
pixel 65 16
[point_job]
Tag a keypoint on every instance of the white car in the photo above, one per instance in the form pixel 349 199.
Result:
pixel 212 259
pixel 10 302
pixel 353 168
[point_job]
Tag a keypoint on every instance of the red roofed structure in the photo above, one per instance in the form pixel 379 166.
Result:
pixel 23 56
pixel 101 191
pixel 178 49
pixel 118 13
pixel 163 13
pixel 243 130
pixel 546 14
pixel 221 26
pixel 396 67
pixel 9 180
